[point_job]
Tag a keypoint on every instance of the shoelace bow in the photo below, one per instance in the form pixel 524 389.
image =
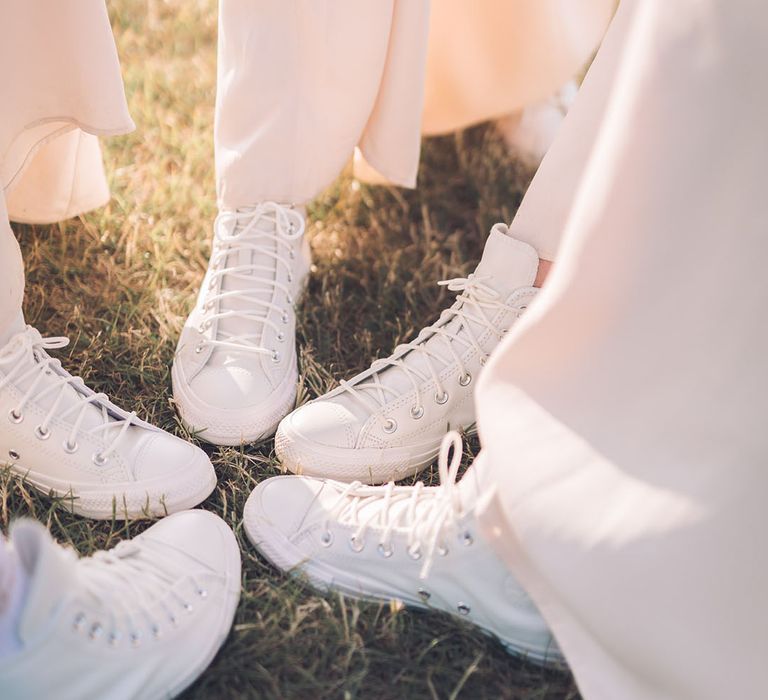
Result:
pixel 473 304
pixel 130 581
pixel 289 226
pixel 50 377
pixel 428 512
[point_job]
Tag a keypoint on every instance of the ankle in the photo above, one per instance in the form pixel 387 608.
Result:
pixel 542 273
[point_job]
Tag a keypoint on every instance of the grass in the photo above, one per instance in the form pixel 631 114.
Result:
pixel 120 282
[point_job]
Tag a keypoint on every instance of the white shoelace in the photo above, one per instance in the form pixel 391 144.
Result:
pixel 423 513
pixel 131 582
pixel 289 226
pixel 49 377
pixel 477 303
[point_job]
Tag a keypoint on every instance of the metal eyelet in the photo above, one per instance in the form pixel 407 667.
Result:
pixel 356 545
pixel 292 255
pixel 172 619
pixel 135 639
pixel 202 592
pixel 465 379
pixel 113 639
pixel 290 277
pixel 483 360
pixel 281 336
pixel 414 553
pixel 95 631
pixel 14 455
pixel 466 538
pixel 417 412
pixel 326 539
pixel 441 398
pixel 386 551
pixel 155 632
pixel 523 308
pixel 15 416
pixel 99 459
pixel 78 622
pixel 424 594
pixel 188 607
pixel 442 550
pixel 70 447
pixel 204 326
pixel 275 356
pixel 463 609
pixel 199 348
pixel 390 425
pixel 284 317
pixel 42 433
pixel 289 299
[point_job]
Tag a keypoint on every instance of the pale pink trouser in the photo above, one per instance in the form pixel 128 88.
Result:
pixel 623 423
pixel 301 84
pixel 59 78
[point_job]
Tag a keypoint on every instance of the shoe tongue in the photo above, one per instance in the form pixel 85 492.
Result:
pixel 252 282
pixel 50 571
pixel 510 263
pixel 507 265
pixel 70 398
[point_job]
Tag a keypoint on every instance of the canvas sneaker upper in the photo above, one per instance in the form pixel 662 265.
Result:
pixel 417 544
pixel 387 422
pixel 65 438
pixel 235 371
pixel 142 620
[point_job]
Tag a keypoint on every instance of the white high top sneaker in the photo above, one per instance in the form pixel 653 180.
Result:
pixel 100 460
pixel 387 422
pixel 417 544
pixel 141 621
pixel 235 371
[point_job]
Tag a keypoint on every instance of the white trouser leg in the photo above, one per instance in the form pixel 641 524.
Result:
pixel 544 212
pixel 302 82
pixel 623 420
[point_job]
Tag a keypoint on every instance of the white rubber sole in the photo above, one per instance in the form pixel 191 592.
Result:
pixel 368 465
pixel 289 559
pixel 126 500
pixel 231 428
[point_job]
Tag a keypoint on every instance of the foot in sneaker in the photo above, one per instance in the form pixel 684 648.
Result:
pixel 102 461
pixel 142 620
pixel 387 422
pixel 235 371
pixel 417 544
